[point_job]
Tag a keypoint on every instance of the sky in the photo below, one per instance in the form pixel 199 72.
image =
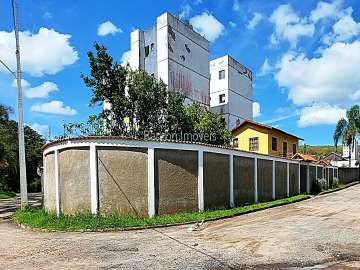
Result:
pixel 305 55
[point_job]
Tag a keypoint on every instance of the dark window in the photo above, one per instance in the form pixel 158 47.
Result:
pixel 274 144
pixel 182 57
pixel 254 144
pixel 236 143
pixel 284 149
pixel 221 74
pixel 187 48
pixel 294 149
pixel 152 46
pixel 222 98
pixel 147 51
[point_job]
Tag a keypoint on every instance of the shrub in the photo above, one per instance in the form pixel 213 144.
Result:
pixel 319 185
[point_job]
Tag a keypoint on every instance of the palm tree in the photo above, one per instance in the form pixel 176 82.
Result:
pixel 348 129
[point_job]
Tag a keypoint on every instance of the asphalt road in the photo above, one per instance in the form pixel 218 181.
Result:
pixel 320 233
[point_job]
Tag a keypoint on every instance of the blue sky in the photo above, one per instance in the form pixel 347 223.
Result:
pixel 305 55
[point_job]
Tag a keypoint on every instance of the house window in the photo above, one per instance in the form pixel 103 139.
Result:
pixel 284 149
pixel 152 47
pixel 254 144
pixel 222 98
pixel 274 144
pixel 221 74
pixel 294 149
pixel 236 143
pixel 147 51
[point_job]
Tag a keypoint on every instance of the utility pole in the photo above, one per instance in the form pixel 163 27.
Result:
pixel 22 160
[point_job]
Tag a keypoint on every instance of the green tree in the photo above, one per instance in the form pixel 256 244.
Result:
pixel 108 83
pixel 9 161
pixel 348 129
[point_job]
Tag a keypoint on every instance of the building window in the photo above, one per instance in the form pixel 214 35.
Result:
pixel 294 149
pixel 221 74
pixel 222 98
pixel 152 47
pixel 236 143
pixel 254 144
pixel 284 149
pixel 274 144
pixel 147 51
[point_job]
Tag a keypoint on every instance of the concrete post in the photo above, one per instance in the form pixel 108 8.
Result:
pixel 287 179
pixel 231 180
pixel 308 179
pixel 57 183
pixel 93 180
pixel 151 181
pixel 273 181
pixel 255 181
pixel 201 180
pixel 299 180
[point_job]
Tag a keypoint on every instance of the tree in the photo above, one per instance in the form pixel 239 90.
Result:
pixel 348 129
pixel 141 105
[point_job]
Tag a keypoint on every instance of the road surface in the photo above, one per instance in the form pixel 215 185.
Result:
pixel 320 233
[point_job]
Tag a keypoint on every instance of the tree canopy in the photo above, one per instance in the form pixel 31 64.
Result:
pixel 9 161
pixel 139 105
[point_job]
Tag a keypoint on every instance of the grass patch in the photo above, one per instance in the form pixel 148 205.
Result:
pixel 38 218
pixel 7 194
pixel 339 187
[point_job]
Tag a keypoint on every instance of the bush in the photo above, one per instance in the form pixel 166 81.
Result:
pixel 319 185
pixel 335 183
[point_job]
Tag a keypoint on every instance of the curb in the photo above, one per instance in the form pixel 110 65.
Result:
pixel 338 189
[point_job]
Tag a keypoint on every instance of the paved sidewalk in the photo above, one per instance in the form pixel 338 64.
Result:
pixel 8 206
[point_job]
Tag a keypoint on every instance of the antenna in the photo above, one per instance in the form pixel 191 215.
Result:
pixel 22 159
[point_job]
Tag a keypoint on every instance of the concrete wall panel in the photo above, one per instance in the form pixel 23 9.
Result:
pixel 312 175
pixel 176 181
pixel 74 181
pixel 243 180
pixel 216 181
pixel 280 180
pixel 122 176
pixel 264 180
pixel 294 179
pixel 49 186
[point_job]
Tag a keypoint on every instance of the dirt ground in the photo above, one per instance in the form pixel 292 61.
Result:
pixel 320 233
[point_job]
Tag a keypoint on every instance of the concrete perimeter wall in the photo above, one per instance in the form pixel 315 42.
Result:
pixel 348 175
pixel 142 178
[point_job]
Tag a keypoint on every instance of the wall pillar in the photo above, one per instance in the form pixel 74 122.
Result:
pixel 299 180
pixel 151 181
pixel 231 180
pixel 316 172
pixel 273 181
pixel 57 183
pixel 255 181
pixel 287 179
pixel 93 180
pixel 201 180
pixel 308 179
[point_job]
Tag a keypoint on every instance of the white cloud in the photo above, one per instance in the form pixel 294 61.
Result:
pixel 326 10
pixel 236 5
pixel 346 28
pixel 256 109
pixel 265 68
pixel 41 91
pixel 47 15
pixel 232 24
pixel 46 52
pixel 254 21
pixel 108 28
pixel 333 77
pixel 281 118
pixel 126 57
pixel 41 129
pixel 185 12
pixel 320 114
pixel 289 26
pixel 198 2
pixel 53 107
pixel 208 26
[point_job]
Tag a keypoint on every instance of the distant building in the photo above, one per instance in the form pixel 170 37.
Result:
pixel 231 90
pixel 172 51
pixel 336 159
pixel 305 158
pixel 263 139
pixel 352 152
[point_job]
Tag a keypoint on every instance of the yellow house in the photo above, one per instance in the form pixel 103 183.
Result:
pixel 263 139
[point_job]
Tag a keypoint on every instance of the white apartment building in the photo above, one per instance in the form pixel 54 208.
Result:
pixel 231 90
pixel 172 51
pixel 349 150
